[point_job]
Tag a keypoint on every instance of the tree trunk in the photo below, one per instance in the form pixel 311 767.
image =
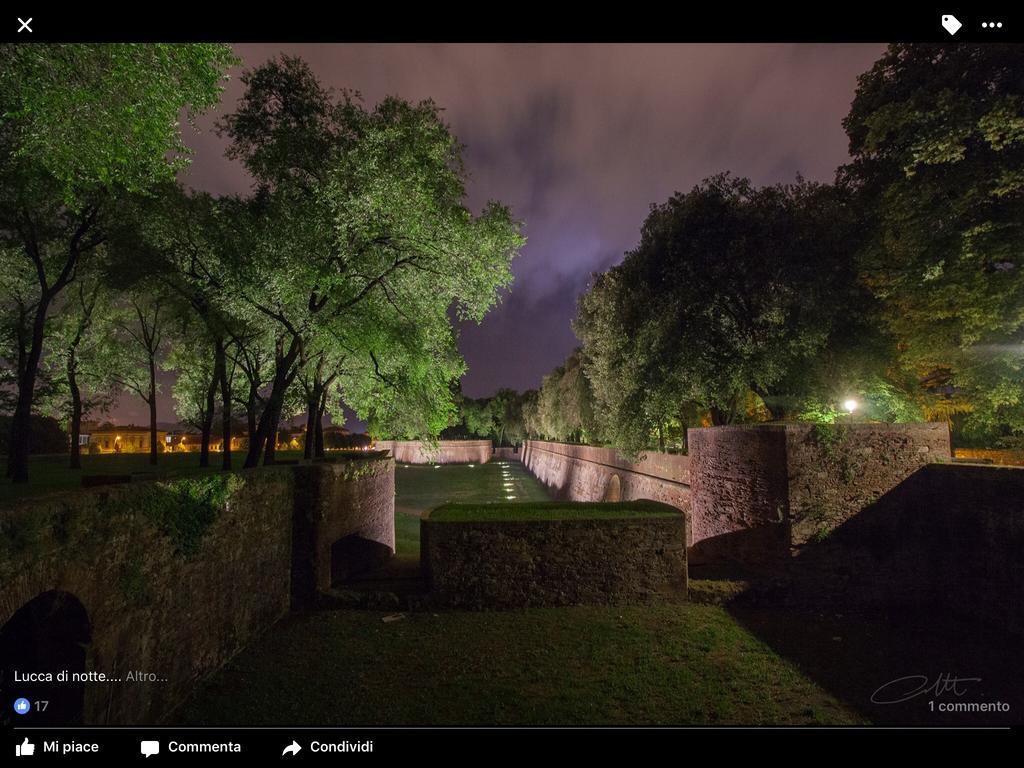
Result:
pixel 225 396
pixel 318 426
pixel 256 438
pixel 207 426
pixel 76 414
pixel 270 451
pixel 310 439
pixel 250 423
pixel 152 412
pixel 21 422
pixel 266 432
pixel 718 416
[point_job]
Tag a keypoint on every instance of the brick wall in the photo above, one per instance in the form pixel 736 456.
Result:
pixel 948 538
pixel 587 473
pixel 159 597
pixel 444 452
pixel 516 564
pixel 760 492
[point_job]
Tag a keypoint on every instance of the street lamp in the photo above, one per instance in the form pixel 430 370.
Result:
pixel 850 405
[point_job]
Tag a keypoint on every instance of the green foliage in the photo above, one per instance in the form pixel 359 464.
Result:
pixel 185 508
pixel 83 353
pixel 132 581
pixel 22 533
pixel 81 127
pixel 564 406
pixel 357 244
pixel 938 158
pixel 105 116
pixel 830 437
pixel 733 290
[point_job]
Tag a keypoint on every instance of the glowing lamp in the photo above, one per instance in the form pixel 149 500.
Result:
pixel 850 405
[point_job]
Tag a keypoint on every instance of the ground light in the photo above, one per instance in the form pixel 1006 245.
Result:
pixel 850 405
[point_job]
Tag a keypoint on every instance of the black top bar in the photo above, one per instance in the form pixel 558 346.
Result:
pixel 720 22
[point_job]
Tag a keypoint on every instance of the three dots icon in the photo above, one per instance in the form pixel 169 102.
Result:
pixel 991 25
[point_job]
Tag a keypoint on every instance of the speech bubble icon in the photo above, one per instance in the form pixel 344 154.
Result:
pixel 150 748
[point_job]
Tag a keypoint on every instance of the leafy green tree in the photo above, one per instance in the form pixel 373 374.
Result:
pixel 563 409
pixel 81 125
pixel 359 241
pixel 478 416
pixel 177 241
pixel 193 359
pixel 937 146
pixel 732 290
pixel 507 416
pixel 82 363
pixel 142 331
pixel 320 382
pixel 531 415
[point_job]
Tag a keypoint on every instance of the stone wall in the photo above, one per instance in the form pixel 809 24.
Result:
pixel 443 452
pixel 761 492
pixel 587 473
pixel 517 564
pixel 172 578
pixel 507 453
pixel 344 521
pixel 948 538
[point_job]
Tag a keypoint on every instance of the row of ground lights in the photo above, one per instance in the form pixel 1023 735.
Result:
pixel 507 481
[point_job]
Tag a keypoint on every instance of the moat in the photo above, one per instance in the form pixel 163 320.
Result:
pixel 420 487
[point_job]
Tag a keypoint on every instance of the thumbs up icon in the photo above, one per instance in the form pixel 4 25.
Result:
pixel 24 749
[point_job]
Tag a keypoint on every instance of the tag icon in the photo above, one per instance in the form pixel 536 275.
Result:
pixel 951 23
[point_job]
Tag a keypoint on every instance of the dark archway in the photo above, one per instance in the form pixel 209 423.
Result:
pixel 354 555
pixel 49 634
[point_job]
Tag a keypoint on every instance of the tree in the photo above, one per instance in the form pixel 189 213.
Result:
pixel 531 417
pixel 564 406
pixel 732 290
pixel 142 328
pixel 319 379
pixel 507 415
pixel 192 358
pixel 82 124
pixel 478 416
pixel 937 146
pixel 178 241
pixel 83 360
pixel 357 239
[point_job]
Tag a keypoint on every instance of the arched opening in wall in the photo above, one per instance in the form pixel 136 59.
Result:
pixel 354 555
pixel 614 490
pixel 48 635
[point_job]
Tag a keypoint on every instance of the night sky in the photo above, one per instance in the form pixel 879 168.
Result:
pixel 579 140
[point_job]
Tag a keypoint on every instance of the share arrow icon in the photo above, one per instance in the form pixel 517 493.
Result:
pixel 291 749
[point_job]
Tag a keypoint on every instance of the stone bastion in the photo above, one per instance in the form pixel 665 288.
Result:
pixel 484 556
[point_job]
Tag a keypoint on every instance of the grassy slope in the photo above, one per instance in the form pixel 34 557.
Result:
pixel 665 663
pixel 51 473
pixel 660 663
pixel 422 487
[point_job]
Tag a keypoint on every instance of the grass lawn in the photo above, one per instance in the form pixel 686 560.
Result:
pixel 550 510
pixel 51 473
pixel 665 663
pixel 420 487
